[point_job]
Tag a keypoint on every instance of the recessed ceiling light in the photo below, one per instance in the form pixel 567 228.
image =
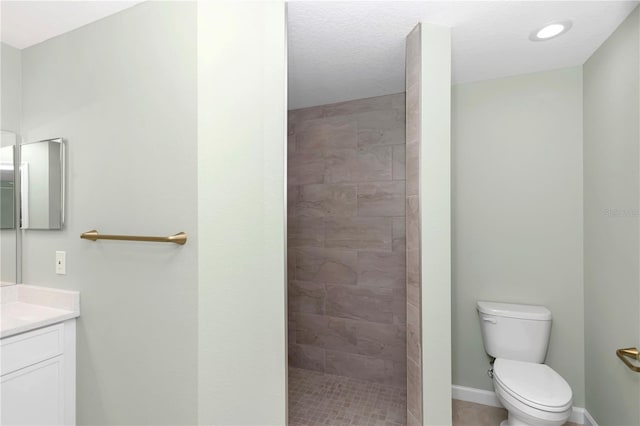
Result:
pixel 551 30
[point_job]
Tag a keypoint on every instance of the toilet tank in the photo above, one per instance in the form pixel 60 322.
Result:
pixel 517 332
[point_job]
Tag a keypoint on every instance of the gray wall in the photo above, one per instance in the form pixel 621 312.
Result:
pixel 122 92
pixel 11 109
pixel 11 101
pixel 517 213
pixel 346 233
pixel 611 211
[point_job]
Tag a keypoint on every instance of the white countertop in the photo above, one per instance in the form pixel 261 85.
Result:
pixel 26 307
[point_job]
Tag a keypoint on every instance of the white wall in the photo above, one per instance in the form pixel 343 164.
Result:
pixel 435 223
pixel 517 213
pixel 122 92
pixel 241 213
pixel 611 230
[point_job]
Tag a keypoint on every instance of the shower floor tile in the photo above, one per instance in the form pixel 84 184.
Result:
pixel 325 399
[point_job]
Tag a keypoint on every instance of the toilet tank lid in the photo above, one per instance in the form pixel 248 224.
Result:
pixel 512 310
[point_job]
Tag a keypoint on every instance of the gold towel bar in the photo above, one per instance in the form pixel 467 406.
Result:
pixel 179 238
pixel 632 353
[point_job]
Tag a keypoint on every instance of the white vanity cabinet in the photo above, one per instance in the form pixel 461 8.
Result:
pixel 37 385
pixel 38 361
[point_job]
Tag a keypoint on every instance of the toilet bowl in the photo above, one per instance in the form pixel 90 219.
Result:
pixel 533 394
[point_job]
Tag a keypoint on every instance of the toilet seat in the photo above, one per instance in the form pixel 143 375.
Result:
pixel 534 385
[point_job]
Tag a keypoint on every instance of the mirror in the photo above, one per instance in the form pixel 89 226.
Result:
pixel 8 198
pixel 7 188
pixel 42 184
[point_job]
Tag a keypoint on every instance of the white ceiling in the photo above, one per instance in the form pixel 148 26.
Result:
pixel 25 23
pixel 343 50
pixel 354 49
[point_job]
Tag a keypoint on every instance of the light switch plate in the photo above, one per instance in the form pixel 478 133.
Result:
pixel 61 262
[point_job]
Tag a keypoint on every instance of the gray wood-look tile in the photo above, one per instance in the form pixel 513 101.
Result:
pixel 361 233
pixel 413 223
pixel 291 262
pixel 365 368
pixel 305 114
pixel 342 132
pixel 412 168
pixel 307 357
pixel 399 161
pixel 385 341
pixel 305 232
pixel 412 175
pixel 306 297
pixel 413 114
pixel 325 200
pixel 381 199
pixel 305 167
pixel 379 269
pixel 311 136
pixel 359 165
pixel 376 304
pixel 323 265
pixel 291 143
pixel 398 234
pixel 413 421
pixel 414 337
pixel 414 389
pixel 347 231
pixel 359 106
pixel 398 102
pixel 381 128
pixel 413 292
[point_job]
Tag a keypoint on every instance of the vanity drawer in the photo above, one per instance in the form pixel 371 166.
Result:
pixel 30 348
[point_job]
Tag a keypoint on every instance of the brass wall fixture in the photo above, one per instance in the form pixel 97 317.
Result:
pixel 93 235
pixel 632 353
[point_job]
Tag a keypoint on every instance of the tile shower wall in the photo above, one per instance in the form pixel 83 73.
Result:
pixel 414 330
pixel 346 239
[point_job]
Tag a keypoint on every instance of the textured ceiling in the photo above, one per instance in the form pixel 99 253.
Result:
pixel 25 23
pixel 355 49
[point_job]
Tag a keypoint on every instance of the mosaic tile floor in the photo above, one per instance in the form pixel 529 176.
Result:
pixel 324 399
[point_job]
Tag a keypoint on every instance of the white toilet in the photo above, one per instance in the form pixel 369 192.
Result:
pixel 517 337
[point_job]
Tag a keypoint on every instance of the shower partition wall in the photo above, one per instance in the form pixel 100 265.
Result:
pixel 428 164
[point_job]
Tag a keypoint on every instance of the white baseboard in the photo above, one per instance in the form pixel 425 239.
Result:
pixel 577 415
pixel 480 396
pixel 588 420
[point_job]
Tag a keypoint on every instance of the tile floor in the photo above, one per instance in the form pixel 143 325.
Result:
pixel 470 414
pixel 325 399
